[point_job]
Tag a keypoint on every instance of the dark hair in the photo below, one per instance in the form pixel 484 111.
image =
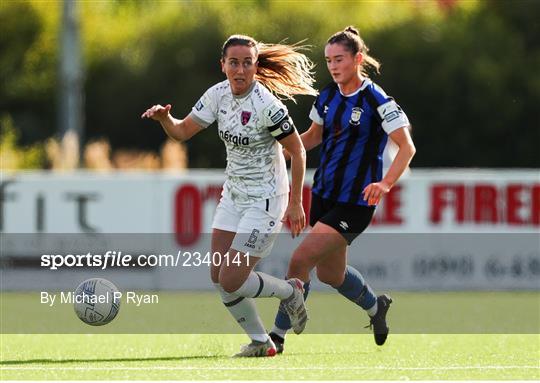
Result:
pixel 352 42
pixel 282 68
pixel 239 40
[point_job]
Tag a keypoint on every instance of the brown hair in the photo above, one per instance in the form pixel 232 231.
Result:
pixel 352 42
pixel 282 68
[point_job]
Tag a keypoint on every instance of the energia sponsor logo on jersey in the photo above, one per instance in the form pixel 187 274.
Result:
pixel 237 140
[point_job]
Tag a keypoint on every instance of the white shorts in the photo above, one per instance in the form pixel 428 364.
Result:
pixel 256 224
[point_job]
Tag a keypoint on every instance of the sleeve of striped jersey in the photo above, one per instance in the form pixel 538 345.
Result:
pixel 317 111
pixel 315 116
pixel 393 117
pixel 204 112
pixel 282 129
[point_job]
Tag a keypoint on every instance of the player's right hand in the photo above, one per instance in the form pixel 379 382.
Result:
pixel 296 217
pixel 157 112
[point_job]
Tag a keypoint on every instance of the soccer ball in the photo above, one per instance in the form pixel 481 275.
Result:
pixel 96 301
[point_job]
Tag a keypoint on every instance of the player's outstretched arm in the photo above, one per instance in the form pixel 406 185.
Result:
pixel 295 211
pixel 179 130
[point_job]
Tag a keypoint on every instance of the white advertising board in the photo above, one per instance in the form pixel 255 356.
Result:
pixel 437 229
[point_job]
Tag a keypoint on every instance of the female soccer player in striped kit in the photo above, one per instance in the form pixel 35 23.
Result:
pixel 353 119
pixel 254 125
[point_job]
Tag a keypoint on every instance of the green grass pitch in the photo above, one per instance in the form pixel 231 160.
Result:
pixel 100 356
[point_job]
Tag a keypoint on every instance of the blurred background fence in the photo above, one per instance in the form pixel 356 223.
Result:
pixel 437 230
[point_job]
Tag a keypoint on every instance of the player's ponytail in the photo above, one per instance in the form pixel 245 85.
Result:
pixel 351 40
pixel 282 68
pixel 285 70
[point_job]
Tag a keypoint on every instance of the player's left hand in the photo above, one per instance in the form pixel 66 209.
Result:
pixel 375 191
pixel 296 217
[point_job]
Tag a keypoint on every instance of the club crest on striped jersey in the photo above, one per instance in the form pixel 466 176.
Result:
pixel 356 113
pixel 244 117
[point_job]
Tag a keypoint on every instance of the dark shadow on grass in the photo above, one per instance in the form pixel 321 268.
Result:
pixel 60 361
pixel 163 359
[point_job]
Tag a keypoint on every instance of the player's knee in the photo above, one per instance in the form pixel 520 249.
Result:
pixel 229 285
pixel 230 288
pixel 309 254
pixel 304 257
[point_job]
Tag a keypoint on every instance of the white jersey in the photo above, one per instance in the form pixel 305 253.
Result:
pixel 250 126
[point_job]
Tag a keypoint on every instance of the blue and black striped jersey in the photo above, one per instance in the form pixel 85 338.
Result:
pixel 355 133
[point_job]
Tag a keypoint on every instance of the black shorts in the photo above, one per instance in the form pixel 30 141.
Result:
pixel 349 220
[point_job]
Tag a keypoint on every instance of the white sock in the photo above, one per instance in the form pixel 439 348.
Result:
pixel 372 310
pixel 279 331
pixel 261 285
pixel 244 312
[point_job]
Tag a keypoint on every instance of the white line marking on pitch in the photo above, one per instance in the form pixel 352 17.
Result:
pixel 172 368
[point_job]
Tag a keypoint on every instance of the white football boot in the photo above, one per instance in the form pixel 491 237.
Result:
pixel 257 349
pixel 294 306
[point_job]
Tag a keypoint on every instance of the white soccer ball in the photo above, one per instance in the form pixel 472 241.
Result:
pixel 96 301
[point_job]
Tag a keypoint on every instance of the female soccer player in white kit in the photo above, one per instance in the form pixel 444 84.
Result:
pixel 255 198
